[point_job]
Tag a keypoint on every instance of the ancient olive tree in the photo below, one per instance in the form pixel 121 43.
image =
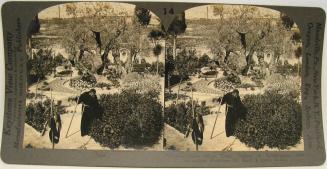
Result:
pixel 95 30
pixel 244 31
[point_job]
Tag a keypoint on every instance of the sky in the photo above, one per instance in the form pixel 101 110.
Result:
pixel 201 12
pixel 53 12
pixel 193 13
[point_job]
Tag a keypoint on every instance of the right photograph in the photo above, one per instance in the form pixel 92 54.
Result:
pixel 233 80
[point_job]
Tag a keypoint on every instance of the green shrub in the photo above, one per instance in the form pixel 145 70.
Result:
pixel 31 95
pixel 232 76
pixel 175 79
pixel 40 65
pixel 152 68
pixel 37 113
pixel 87 77
pixel 284 85
pixel 145 124
pixel 172 96
pixel 273 119
pixel 108 130
pixel 223 83
pixel 288 69
pixel 112 74
pixel 179 116
pixel 257 74
pixel 129 118
pixel 84 82
pixel 141 83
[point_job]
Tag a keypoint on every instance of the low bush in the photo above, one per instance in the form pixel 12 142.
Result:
pixel 288 69
pixel 37 113
pixel 174 79
pixel 143 84
pixel 172 96
pixel 223 83
pixel 257 74
pixel 84 82
pixel 31 95
pixel 87 77
pixel 40 65
pixel 113 76
pixel 152 68
pixel 284 85
pixel 232 76
pixel 80 84
pixel 129 119
pixel 179 116
pixel 273 120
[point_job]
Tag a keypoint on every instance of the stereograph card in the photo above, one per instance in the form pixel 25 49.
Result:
pixel 162 84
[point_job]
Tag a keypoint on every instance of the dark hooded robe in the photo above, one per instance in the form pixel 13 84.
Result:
pixel 91 111
pixel 198 129
pixel 55 128
pixel 235 111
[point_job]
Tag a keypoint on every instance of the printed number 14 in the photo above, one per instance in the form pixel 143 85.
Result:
pixel 169 11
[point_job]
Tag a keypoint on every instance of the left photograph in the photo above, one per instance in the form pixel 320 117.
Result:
pixel 95 78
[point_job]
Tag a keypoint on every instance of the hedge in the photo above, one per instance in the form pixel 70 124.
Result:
pixel 37 113
pixel 273 119
pixel 180 115
pixel 174 80
pixel 284 84
pixel 288 69
pixel 129 118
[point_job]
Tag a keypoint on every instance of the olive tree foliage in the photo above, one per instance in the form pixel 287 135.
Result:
pixel 155 35
pixel 143 16
pixel 95 30
pixel 287 21
pixel 218 10
pixel 177 27
pixel 244 31
pixel 33 28
pixel 134 39
pixel 296 38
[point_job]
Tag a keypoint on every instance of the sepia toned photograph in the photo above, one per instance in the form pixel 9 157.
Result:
pixel 95 78
pixel 233 80
pixel 111 76
pixel 162 84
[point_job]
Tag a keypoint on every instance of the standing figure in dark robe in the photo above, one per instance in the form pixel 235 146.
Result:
pixel 91 110
pixel 196 126
pixel 54 123
pixel 235 110
pixel 198 129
